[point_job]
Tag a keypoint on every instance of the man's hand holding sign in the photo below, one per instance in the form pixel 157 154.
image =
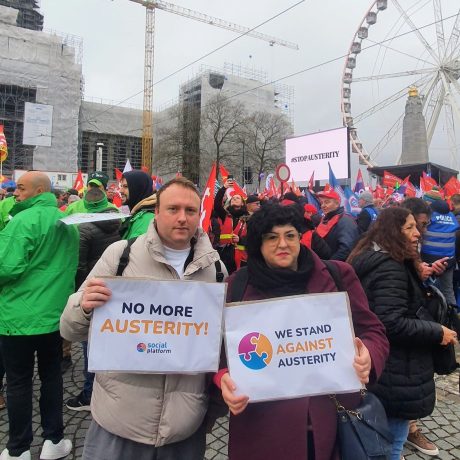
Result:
pixel 95 295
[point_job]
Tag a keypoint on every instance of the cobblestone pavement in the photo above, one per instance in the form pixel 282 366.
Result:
pixel 442 427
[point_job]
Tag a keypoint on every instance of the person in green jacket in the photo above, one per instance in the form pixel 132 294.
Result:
pixel 38 262
pixel 97 179
pixel 5 207
pixel 136 190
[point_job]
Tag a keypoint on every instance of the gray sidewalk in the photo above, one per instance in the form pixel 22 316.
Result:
pixel 442 427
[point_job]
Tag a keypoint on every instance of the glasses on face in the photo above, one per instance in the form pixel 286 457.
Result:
pixel 274 238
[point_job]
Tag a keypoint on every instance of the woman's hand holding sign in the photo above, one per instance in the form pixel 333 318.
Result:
pixel 236 404
pixel 362 362
pixel 95 294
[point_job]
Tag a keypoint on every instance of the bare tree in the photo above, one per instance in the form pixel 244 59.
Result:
pixel 264 136
pixel 168 142
pixel 221 121
pixel 177 142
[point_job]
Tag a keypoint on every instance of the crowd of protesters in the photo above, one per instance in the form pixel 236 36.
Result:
pixel 390 261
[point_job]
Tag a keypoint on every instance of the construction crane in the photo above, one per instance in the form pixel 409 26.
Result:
pixel 151 5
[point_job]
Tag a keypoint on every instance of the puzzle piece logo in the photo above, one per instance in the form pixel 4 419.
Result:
pixel 255 351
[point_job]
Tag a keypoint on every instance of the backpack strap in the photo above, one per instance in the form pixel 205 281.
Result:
pixel 334 271
pixel 239 285
pixel 124 259
pixel 219 273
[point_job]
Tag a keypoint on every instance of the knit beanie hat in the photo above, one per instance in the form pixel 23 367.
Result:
pixel 97 206
pixel 433 195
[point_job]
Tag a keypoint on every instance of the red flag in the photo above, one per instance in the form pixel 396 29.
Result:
pixel 79 185
pixel 116 200
pixel 3 146
pixel 389 191
pixel 428 182
pixel 452 187
pixel 237 190
pixel 379 192
pixel 207 202
pixel 390 180
pixel 223 172
pixel 118 174
pixel 271 190
pixel 311 182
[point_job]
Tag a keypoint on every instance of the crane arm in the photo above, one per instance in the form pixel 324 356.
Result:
pixel 197 16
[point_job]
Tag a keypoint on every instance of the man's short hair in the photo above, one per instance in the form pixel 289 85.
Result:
pixel 455 199
pixel 416 206
pixel 182 182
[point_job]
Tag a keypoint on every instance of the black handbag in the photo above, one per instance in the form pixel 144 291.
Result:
pixel 444 359
pixel 363 432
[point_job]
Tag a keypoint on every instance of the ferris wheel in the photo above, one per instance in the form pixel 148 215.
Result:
pixel 399 45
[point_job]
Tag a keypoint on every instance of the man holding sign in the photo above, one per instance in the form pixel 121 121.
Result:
pixel 279 266
pixel 144 416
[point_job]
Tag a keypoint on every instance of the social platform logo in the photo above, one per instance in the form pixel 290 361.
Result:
pixel 255 351
pixel 141 347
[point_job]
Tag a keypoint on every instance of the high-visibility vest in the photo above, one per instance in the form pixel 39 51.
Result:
pixel 226 231
pixel 439 239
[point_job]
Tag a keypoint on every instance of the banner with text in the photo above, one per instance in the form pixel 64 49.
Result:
pixel 314 152
pixel 85 217
pixel 158 327
pixel 291 347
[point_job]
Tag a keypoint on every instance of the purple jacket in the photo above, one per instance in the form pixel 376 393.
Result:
pixel 278 429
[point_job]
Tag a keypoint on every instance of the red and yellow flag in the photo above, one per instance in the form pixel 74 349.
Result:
pixel 79 185
pixel 3 146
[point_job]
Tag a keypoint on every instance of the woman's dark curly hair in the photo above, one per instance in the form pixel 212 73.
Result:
pixel 263 221
pixel 387 233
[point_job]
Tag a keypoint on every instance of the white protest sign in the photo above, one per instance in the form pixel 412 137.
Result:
pixel 84 217
pixel 158 327
pixel 291 346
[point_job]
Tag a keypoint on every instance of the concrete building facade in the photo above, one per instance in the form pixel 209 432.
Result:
pixel 414 138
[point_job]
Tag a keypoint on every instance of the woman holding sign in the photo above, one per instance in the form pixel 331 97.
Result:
pixel 278 266
pixel 385 261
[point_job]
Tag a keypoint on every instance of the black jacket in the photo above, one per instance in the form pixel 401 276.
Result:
pixel 364 219
pixel 343 236
pixel 406 387
pixel 95 237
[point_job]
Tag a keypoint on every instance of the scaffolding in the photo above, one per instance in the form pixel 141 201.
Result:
pixel 116 150
pixel 12 104
pixel 190 125
pixel 28 17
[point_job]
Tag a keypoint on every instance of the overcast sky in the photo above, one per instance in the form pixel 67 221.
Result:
pixel 113 54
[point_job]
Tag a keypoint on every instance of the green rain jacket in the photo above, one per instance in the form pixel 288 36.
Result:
pixel 38 261
pixel 80 206
pixel 5 208
pixel 141 216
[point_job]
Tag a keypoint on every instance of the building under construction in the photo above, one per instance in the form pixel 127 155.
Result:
pixel 49 126
pixel 42 71
pixel 190 152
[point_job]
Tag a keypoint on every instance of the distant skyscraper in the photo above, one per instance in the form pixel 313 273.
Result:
pixel 414 142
